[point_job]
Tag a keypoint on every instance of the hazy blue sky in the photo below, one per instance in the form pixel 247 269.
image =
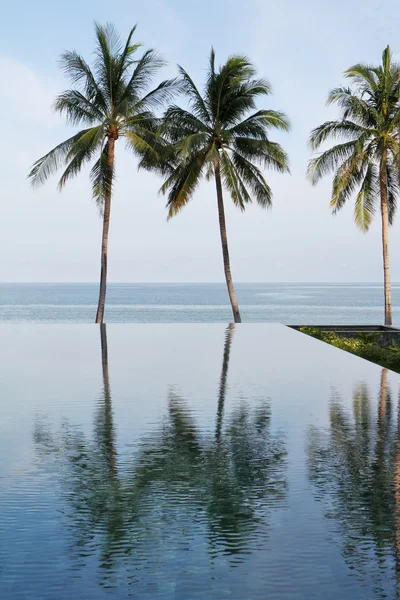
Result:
pixel 301 47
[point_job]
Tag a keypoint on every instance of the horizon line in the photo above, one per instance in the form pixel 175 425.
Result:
pixel 192 282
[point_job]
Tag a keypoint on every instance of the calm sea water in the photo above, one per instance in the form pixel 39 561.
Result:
pixel 173 303
pixel 195 462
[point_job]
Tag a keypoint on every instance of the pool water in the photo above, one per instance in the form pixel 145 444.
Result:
pixel 184 462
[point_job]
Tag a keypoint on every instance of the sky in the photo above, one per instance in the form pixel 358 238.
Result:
pixel 302 48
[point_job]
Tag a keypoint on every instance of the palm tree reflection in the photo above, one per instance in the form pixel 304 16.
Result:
pixel 224 376
pixel 355 468
pixel 88 476
pixel 210 483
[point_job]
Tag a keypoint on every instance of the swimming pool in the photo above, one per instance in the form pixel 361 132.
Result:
pixel 185 462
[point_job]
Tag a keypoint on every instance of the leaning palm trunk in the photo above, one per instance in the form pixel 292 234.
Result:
pixel 385 239
pixel 104 240
pixel 225 250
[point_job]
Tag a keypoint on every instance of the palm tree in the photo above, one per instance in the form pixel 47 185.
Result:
pixel 218 138
pixel 365 161
pixel 112 101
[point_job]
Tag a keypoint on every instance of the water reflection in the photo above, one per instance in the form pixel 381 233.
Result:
pixel 355 468
pixel 181 492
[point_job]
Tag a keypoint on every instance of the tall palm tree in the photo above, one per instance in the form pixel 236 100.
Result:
pixel 365 161
pixel 219 137
pixel 112 100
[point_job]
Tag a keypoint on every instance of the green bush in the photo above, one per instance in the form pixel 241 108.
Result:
pixel 365 346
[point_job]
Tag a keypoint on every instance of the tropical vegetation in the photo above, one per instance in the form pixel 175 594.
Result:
pixel 112 100
pixel 364 345
pixel 365 161
pixel 221 136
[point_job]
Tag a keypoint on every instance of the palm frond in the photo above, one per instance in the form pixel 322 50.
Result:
pixel 125 58
pixel 212 158
pixel 257 124
pixel 231 77
pixel 363 76
pixel 269 154
pixel 157 98
pixel 254 179
pixel 146 68
pixel 81 152
pixel 393 189
pixel 348 178
pixel 77 108
pixel 102 177
pixel 191 144
pixel 354 107
pixel 196 101
pixel 240 100
pixel 52 161
pixel 107 52
pixel 329 160
pixel 365 204
pixel 233 182
pixel 183 182
pixel 79 73
pixel 179 122
pixel 343 129
pixel 154 152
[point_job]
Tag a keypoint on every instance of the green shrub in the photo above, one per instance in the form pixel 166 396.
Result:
pixel 369 338
pixel 365 346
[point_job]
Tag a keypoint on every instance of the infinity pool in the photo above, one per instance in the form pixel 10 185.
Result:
pixel 184 462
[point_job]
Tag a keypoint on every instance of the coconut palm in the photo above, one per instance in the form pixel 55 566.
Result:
pixel 112 101
pixel 219 137
pixel 365 161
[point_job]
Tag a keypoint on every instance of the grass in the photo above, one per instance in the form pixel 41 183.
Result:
pixel 364 345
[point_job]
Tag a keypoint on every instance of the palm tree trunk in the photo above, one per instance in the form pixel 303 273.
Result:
pixel 104 239
pixel 385 238
pixel 225 250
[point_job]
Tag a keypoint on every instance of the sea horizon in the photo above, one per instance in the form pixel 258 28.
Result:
pixel 310 303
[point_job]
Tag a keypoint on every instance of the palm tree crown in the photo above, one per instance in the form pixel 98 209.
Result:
pixel 217 130
pixel 112 100
pixel 367 130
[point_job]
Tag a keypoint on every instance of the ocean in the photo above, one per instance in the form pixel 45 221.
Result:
pixel 289 303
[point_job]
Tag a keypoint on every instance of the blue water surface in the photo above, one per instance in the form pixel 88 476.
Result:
pixel 198 303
